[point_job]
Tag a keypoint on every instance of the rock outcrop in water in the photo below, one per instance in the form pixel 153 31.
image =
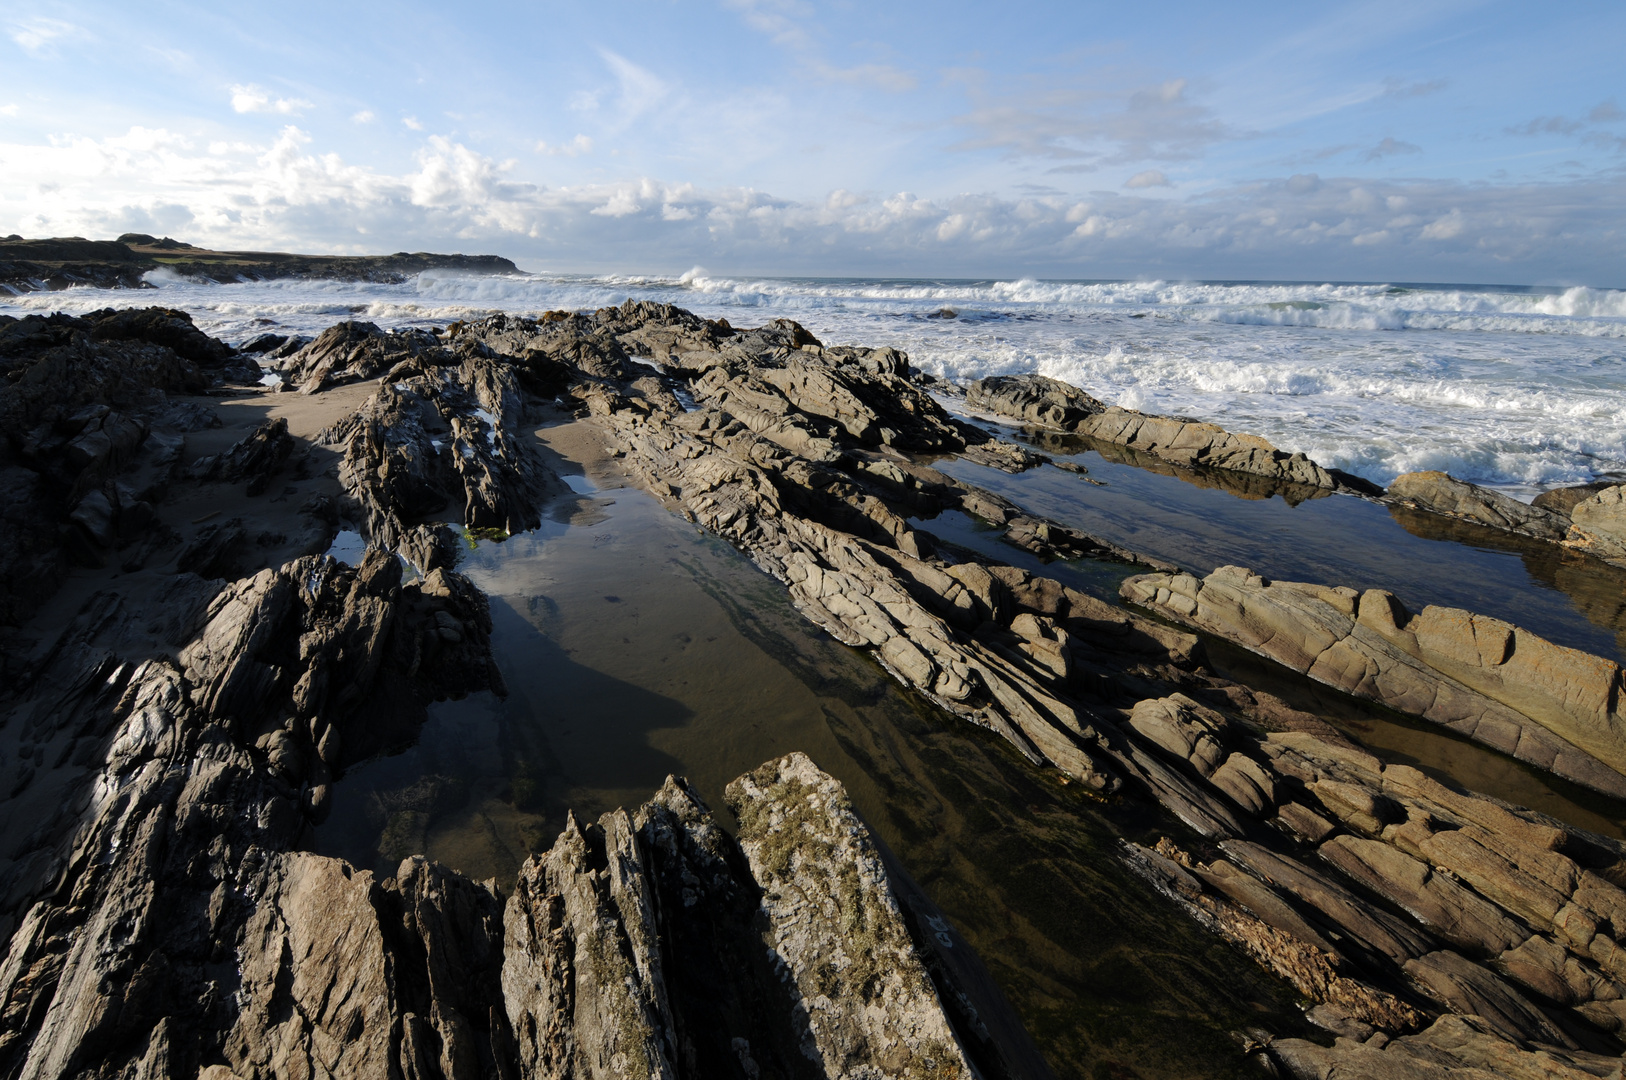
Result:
pixel 1440 493
pixel 1049 403
pixel 1390 944
pixel 1589 518
pixel 1598 525
pixel 167 924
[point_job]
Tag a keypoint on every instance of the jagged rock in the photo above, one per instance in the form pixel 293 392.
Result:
pixel 255 458
pixel 1314 971
pixel 1471 990
pixel 1440 493
pixel 209 947
pixel 159 326
pixel 635 945
pixel 1457 914
pixel 80 400
pixel 399 977
pixel 263 343
pixel 1554 707
pixel 1598 525
pixel 431 442
pixel 199 792
pixel 217 551
pixel 836 928
pixel 352 351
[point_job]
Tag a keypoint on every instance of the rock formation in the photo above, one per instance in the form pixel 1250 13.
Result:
pixel 1386 938
pixel 1590 518
pixel 636 945
pixel 91 440
pixel 1046 402
pixel 169 924
pixel 1598 525
pixel 1553 707
pixel 1442 494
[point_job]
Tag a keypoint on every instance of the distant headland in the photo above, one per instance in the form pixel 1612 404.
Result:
pixel 64 262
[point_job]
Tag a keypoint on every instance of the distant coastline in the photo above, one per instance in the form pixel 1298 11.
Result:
pixel 64 262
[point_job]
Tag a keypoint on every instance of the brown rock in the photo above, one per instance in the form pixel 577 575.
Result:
pixel 1598 525
pixel 1442 494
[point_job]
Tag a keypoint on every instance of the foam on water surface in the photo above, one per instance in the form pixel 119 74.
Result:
pixel 1518 388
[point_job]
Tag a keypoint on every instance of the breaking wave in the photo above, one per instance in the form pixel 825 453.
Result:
pixel 1520 388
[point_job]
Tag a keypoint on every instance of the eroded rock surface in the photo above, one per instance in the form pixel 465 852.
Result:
pixel 1556 708
pixel 91 441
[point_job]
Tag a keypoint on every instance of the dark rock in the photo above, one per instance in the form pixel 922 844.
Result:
pixel 1033 399
pixel 263 343
pixel 217 551
pixel 255 458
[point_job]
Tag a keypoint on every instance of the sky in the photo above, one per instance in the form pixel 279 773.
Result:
pixel 1453 141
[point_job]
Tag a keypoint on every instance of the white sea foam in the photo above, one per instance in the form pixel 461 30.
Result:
pixel 1518 388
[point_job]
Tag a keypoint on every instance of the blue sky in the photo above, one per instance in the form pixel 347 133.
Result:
pixel 1455 141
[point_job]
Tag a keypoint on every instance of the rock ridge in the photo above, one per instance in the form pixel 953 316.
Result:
pixel 1050 403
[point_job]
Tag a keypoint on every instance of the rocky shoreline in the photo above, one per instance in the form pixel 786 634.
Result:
pixel 201 680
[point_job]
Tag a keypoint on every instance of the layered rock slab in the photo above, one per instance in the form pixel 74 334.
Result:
pixel 1553 707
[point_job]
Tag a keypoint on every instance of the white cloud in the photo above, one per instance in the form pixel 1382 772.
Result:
pixel 365 116
pixel 783 22
pixel 576 147
pixel 1087 124
pixel 10 110
pixel 1149 178
pixel 1390 147
pixel 1448 227
pixel 249 98
pixel 290 193
pixel 640 89
pixel 37 35
pixel 412 123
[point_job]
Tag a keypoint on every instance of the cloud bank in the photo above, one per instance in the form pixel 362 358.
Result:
pixel 289 194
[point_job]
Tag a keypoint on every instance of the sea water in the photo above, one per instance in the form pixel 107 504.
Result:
pixel 1518 388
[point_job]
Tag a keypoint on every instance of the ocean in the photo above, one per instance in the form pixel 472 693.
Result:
pixel 1517 388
